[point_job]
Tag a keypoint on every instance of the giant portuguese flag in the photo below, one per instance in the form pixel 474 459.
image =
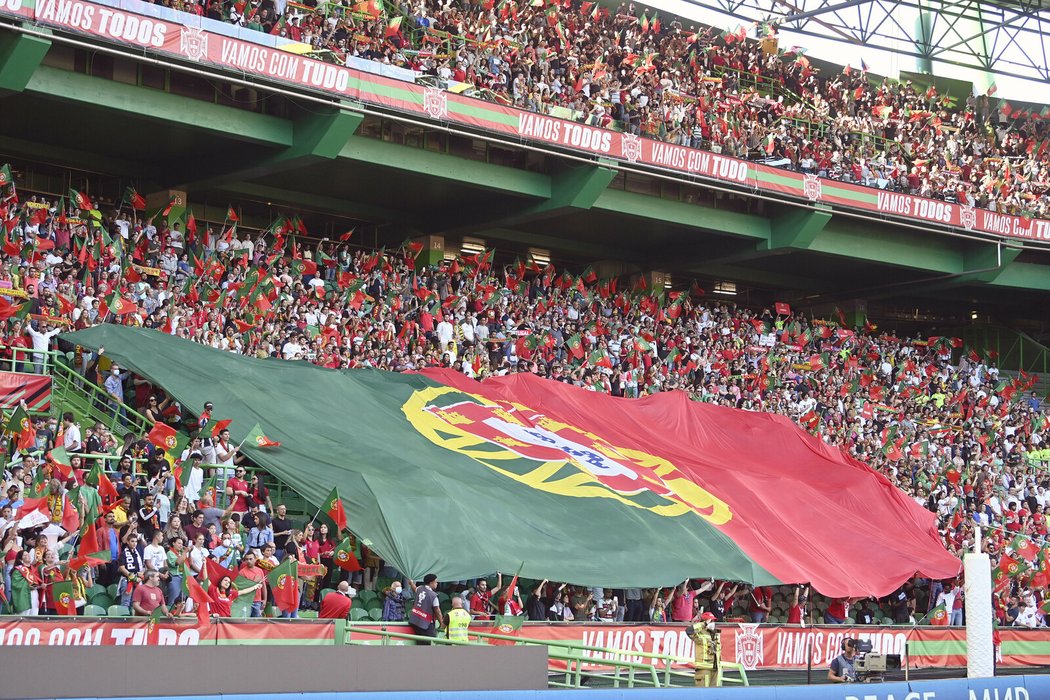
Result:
pixel 442 473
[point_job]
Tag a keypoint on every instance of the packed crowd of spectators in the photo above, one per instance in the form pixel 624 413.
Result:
pixel 699 87
pixel 938 419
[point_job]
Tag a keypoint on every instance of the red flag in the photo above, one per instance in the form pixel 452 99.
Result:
pixel 782 309
pixel 220 426
pixel 216 571
pixel 197 594
pixel 163 436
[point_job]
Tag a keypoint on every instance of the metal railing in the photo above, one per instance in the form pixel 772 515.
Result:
pixel 73 391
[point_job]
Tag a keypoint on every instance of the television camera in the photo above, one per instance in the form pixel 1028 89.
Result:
pixel 871 667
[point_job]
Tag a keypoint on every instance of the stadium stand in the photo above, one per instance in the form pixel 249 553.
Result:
pixel 937 418
pixel 717 90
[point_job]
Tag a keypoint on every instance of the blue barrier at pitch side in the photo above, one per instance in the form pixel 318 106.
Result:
pixel 1008 688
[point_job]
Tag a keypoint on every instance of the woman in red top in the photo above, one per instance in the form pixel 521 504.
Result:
pixel 50 574
pixel 223 595
pixel 324 547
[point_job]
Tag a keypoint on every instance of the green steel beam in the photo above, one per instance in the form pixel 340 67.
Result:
pixel 849 238
pixel 795 228
pixel 336 205
pixel 152 105
pixel 475 174
pixel 20 56
pixel 316 136
pixel 988 261
pixel 683 214
pixel 573 188
pixel 1028 276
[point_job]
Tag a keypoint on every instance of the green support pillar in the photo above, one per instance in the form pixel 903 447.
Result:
pixel 20 56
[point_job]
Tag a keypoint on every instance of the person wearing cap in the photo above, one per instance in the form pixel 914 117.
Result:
pixel 426 616
pixel 708 650
pixel 336 604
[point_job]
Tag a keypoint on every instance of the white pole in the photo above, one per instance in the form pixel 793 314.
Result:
pixel 980 654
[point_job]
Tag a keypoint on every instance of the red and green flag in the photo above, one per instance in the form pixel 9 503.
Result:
pixel 284 582
pixel 333 508
pixel 347 556
pixel 5 175
pixel 539 456
pixel 21 426
pixel 937 616
pixel 118 304
pixel 575 346
pixel 163 436
pixel 1024 548
pixel 65 599
pixel 81 200
pixel 192 590
pixel 136 200
pixel 259 439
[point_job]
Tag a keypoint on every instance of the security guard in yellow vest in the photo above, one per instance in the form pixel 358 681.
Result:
pixel 458 621
pixel 708 650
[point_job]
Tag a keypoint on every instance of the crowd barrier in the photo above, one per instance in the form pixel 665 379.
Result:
pixel 755 647
pixel 191 38
pixel 1010 688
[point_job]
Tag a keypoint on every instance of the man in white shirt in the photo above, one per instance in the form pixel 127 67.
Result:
pixel 70 433
pixel 41 341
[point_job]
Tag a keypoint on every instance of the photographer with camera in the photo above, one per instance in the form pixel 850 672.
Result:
pixel 841 669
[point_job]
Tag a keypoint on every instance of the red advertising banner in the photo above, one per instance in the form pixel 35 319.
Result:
pixel 31 388
pixel 183 632
pixel 188 40
pixel 756 647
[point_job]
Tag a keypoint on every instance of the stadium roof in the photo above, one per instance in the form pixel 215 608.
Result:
pixel 1006 37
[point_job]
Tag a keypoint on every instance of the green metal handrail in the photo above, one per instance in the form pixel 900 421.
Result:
pixel 556 649
pixel 67 382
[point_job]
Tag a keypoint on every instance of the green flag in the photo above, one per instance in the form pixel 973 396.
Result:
pixel 5 175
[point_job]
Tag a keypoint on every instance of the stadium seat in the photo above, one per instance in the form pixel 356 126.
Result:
pixel 102 600
pixel 112 590
pixel 887 620
pixel 118 611
pixel 94 611
pixel 367 597
pixel 442 598
pixel 357 614
pixel 374 605
pixel 95 590
pixel 376 614
pixel 326 591
pixel 307 614
pixel 850 621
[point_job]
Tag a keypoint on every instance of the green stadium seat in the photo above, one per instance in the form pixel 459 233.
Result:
pixel 112 590
pixel 374 605
pixel 366 596
pixel 94 611
pixel 442 598
pixel 118 611
pixel 307 614
pixel 887 620
pixel 850 621
pixel 326 591
pixel 358 614
pixel 102 600
pixel 95 590
pixel 376 614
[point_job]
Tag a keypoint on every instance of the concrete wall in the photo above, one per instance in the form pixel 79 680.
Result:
pixel 103 672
